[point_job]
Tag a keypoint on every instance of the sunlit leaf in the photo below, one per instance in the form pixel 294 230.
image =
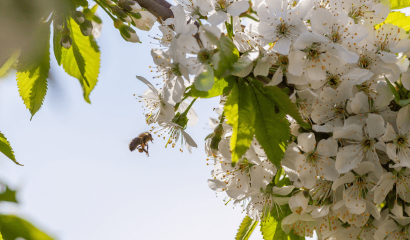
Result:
pixel 397 18
pixel 6 149
pixel 205 80
pixel 32 71
pixel 82 60
pixel 246 228
pixel 7 65
pixel 240 114
pixel 227 56
pixel 220 87
pixel 398 4
pixel 268 227
pixel 13 227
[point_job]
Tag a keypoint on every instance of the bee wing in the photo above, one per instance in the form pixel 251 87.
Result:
pixel 135 143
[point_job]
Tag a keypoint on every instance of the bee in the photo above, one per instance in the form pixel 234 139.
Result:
pixel 141 142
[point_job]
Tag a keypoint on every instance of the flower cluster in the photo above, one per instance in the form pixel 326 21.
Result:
pixel 348 176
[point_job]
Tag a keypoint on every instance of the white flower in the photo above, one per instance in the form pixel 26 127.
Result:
pixel 398 145
pixel 223 8
pixel 159 110
pixel 340 32
pixel 301 222
pixel 172 72
pixel 365 11
pixel 281 22
pixel 192 7
pixel 362 144
pixel 400 178
pixel 146 21
pixel 249 171
pixel 310 55
pixel 176 133
pixel 315 160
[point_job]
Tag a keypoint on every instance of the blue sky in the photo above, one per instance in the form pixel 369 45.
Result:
pixel 80 181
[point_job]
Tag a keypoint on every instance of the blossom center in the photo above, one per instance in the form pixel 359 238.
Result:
pixel 313 52
pixel 401 141
pixel 175 69
pixel 364 62
pixel 332 80
pixel 356 14
pixel 204 56
pixel 245 165
pixel 340 111
pixel 283 29
pixel 367 144
pixel 221 5
pixel 312 157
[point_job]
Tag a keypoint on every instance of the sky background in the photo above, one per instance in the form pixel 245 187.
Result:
pixel 80 181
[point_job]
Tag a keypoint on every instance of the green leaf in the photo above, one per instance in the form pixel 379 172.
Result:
pixel 246 228
pixel 239 111
pixel 32 83
pixel 279 214
pixel 7 65
pixel 268 228
pixel 82 60
pixel 220 87
pixel 6 149
pixel 8 195
pixel 33 70
pixel 205 80
pixel 13 227
pixel 397 18
pixel 398 4
pixel 58 49
pixel 80 3
pixel 272 129
pixel 1 237
pixel 280 99
pixel 228 55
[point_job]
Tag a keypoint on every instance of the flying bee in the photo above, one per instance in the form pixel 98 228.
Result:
pixel 141 142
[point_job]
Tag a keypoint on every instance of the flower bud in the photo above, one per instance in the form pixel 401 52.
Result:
pixel 129 34
pixel 78 17
pixel 86 28
pixel 146 21
pixel 121 13
pixel 65 31
pixel 66 41
pixel 87 13
pixel 129 5
pixel 58 22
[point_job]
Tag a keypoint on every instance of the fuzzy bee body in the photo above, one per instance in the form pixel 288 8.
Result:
pixel 141 142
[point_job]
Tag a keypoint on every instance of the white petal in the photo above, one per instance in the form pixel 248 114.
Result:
pixel 153 89
pixel 348 158
pixel 217 18
pixel 282 46
pixel 236 8
pixel 307 142
pixel 403 122
pixel 375 125
pixel 327 148
pixel 188 139
pixel 296 62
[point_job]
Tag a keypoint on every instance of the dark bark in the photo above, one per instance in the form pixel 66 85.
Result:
pixel 159 8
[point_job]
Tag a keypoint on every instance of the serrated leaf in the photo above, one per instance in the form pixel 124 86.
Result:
pixel 80 3
pixel 279 214
pixel 268 228
pixel 271 128
pixel 8 195
pixel 32 76
pixel 228 55
pixel 398 4
pixel 13 227
pixel 397 18
pixel 6 149
pixel 58 49
pixel 278 98
pixel 246 228
pixel 239 112
pixel 220 87
pixel 7 65
pixel 205 80
pixel 82 60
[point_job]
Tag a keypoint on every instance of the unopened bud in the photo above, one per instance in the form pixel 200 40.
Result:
pixel 65 31
pixel 87 13
pixel 78 17
pixel 121 13
pixel 129 5
pixel 66 41
pixel 86 28
pixel 129 34
pixel 118 23
pixel 58 22
pixel 146 21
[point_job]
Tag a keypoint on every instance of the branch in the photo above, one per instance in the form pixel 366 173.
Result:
pixel 159 8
